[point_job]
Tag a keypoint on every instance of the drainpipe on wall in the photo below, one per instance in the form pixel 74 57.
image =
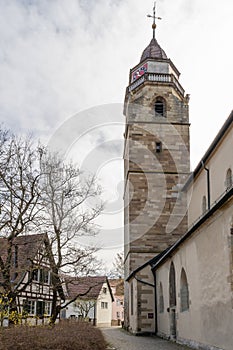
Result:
pixel 156 309
pixel 94 320
pixel 208 183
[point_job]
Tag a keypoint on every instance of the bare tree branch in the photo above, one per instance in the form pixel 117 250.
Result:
pixel 67 216
pixel 19 199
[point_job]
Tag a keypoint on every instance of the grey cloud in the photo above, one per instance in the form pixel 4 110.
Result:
pixel 60 57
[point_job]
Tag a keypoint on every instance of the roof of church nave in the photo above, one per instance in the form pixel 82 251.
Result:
pixel 153 50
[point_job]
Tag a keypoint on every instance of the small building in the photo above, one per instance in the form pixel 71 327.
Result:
pixel 90 298
pixel 117 286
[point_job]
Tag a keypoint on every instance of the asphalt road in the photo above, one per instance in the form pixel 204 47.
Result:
pixel 119 339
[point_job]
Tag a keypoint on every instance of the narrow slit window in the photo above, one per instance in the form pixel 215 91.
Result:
pixel 184 292
pixel 158 147
pixel 160 110
pixel 204 205
pixel 131 297
pixel 228 181
pixel 172 286
pixel 161 300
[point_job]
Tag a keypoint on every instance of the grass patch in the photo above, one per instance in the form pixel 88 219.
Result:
pixel 70 335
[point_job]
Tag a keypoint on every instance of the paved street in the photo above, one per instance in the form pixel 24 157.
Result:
pixel 121 340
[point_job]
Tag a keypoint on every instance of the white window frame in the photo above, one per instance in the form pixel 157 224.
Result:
pixel 104 305
pixel 47 308
pixel 31 307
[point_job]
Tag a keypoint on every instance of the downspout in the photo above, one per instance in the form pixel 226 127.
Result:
pixel 156 310
pixel 208 183
pixel 95 321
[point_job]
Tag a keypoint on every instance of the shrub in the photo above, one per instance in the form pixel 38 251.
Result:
pixel 67 335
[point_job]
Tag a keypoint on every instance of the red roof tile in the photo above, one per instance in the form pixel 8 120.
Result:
pixel 28 247
pixel 119 285
pixel 85 287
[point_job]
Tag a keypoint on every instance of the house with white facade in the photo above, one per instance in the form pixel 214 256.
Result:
pixel 90 298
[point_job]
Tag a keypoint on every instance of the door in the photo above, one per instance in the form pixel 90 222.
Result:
pixel 40 309
pixel 172 323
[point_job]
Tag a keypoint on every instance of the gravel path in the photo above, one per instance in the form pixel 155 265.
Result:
pixel 121 340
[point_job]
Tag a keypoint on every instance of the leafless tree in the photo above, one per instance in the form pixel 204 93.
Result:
pixel 19 200
pixel 118 266
pixel 67 217
pixel 84 306
pixel 40 193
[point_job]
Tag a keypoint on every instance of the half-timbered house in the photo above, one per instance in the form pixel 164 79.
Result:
pixel 31 275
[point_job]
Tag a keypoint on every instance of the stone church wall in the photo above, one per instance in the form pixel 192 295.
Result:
pixel 142 318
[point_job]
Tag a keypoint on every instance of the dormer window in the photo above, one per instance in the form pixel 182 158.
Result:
pixel 36 275
pixel 160 107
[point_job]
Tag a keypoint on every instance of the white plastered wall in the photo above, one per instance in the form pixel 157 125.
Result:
pixel 104 315
pixel 218 164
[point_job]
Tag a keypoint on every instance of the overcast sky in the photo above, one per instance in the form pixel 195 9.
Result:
pixel 62 58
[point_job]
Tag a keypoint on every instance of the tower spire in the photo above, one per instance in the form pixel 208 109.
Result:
pixel 154 18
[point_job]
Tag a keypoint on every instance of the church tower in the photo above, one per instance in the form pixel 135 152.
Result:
pixel 156 159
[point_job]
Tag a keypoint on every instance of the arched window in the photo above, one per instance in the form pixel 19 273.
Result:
pixel 160 107
pixel 228 179
pixel 132 297
pixel 184 292
pixel 161 300
pixel 172 285
pixel 203 204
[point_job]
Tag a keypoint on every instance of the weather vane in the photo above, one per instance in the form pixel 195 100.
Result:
pixel 154 18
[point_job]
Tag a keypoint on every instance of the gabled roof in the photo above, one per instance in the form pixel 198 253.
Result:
pixel 28 247
pixel 86 287
pixel 150 262
pixel 118 284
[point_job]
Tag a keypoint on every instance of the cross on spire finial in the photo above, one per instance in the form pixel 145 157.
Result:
pixel 154 18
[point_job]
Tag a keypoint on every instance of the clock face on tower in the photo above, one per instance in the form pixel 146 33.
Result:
pixel 139 72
